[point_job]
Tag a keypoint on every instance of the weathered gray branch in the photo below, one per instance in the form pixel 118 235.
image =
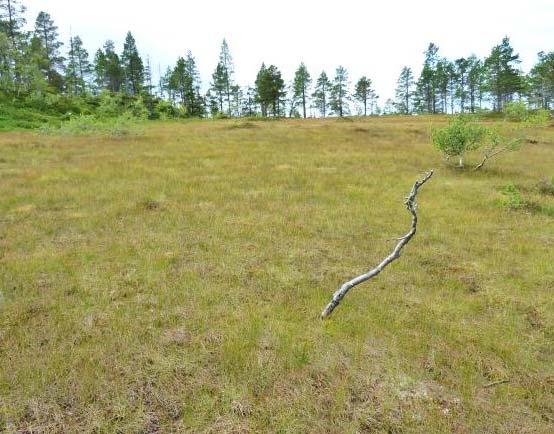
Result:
pixel 487 156
pixel 495 150
pixel 411 205
pixel 496 383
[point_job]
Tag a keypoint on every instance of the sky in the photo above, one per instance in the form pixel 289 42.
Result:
pixel 369 38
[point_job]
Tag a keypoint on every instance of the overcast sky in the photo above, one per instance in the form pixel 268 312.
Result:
pixel 369 38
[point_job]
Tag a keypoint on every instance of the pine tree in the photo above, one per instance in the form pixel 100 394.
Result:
pixel 475 82
pixel 451 85
pixel 405 91
pixel 6 77
pixel 322 93
pixel 12 20
pixel 30 70
pixel 249 102
pixel 212 105
pixel 442 74
pixel 503 78
pixel 363 92
pixel 78 67
pixel 13 43
pixel 389 107
pixel 185 82
pixel 148 85
pixel 132 65
pixel 166 85
pixel 426 92
pixel 108 70
pixel 47 32
pixel 236 100
pixel 462 66
pixel 541 81
pixel 339 92
pixel 222 78
pixel 301 85
pixel 100 67
pixel 219 85
pixel 270 90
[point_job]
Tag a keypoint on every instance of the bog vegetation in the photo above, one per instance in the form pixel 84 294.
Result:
pixel 162 273
pixel 172 281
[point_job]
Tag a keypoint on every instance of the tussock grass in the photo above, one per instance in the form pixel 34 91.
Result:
pixel 172 282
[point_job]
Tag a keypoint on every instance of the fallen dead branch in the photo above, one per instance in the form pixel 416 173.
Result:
pixel 495 383
pixel 411 205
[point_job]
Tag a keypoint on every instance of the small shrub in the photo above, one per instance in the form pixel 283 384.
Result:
pixel 538 118
pixel 546 186
pixel 516 111
pixel 458 137
pixel 109 105
pixel 512 196
pixel 138 109
pixel 151 204
pixel 90 125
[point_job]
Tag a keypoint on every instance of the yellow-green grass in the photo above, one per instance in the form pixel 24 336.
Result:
pixel 173 282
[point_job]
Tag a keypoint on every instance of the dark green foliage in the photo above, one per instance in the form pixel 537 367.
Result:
pixel 462 66
pixel 222 80
pixel 249 105
pixel 405 91
pixel 270 91
pixel 301 86
pixel 475 83
pixel 541 82
pixel 365 94
pixel 108 69
pixel 12 20
pixel 14 118
pixel 339 92
pixel 322 93
pixel 503 78
pixel 427 83
pixel 184 84
pixel 133 67
pixel 47 32
pixel 78 67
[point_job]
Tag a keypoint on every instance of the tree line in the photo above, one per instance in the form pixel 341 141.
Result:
pixel 38 69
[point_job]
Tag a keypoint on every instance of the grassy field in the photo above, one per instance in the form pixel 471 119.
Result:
pixel 173 281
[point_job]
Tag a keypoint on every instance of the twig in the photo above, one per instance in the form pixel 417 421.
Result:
pixel 411 205
pixel 496 383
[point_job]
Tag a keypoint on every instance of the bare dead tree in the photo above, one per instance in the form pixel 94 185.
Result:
pixel 411 205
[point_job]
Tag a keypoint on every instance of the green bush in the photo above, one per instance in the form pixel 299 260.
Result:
pixel 512 196
pixel 138 109
pixel 109 105
pixel 458 137
pixel 90 125
pixel 538 118
pixel 516 111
